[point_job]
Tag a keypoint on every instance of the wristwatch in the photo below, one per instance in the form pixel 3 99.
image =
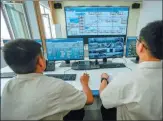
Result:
pixel 105 79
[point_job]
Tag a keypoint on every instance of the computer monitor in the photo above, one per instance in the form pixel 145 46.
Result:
pixel 131 47
pixel 106 47
pixel 65 49
pixel 5 41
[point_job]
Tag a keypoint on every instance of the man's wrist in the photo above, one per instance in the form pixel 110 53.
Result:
pixel 104 79
pixel 84 84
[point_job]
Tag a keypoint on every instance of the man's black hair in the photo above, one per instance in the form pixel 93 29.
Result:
pixel 152 35
pixel 21 55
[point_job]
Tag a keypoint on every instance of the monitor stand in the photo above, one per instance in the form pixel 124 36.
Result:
pixel 65 64
pixel 106 61
pixel 96 62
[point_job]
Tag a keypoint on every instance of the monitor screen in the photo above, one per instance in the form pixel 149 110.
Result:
pixel 65 49
pixel 91 20
pixel 106 47
pixel 131 47
pixel 5 41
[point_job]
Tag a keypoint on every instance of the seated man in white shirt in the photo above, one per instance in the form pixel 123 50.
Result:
pixel 34 96
pixel 137 95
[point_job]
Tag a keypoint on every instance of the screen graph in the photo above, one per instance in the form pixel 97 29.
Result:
pixel 96 20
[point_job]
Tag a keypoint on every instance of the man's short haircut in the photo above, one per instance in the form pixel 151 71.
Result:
pixel 21 55
pixel 152 35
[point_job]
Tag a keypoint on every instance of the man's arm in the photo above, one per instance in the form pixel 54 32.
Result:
pixel 116 93
pixel 84 81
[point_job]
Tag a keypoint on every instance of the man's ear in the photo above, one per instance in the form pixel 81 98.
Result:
pixel 141 47
pixel 40 61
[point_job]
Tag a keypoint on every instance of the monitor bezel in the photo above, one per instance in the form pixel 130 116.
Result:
pixel 67 41
pixel 126 47
pixel 106 57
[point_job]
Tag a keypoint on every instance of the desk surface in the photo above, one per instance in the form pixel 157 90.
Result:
pixel 94 82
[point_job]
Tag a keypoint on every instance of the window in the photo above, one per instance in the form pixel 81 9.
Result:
pixel 47 21
pixel 17 20
pixel 4 30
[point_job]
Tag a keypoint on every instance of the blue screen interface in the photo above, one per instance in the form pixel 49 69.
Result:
pixel 96 20
pixel 106 47
pixel 131 47
pixel 65 49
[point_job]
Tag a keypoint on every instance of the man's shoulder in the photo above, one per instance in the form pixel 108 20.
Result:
pixel 124 75
pixel 124 78
pixel 50 81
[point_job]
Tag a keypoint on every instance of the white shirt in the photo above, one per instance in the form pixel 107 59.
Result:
pixel 138 94
pixel 35 96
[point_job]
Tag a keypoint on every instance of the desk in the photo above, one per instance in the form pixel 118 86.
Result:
pixel 95 75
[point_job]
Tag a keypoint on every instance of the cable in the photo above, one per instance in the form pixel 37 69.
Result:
pixel 124 63
pixel 125 60
pixel 128 68
pixel 67 70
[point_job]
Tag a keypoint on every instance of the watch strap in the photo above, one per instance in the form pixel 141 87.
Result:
pixel 104 79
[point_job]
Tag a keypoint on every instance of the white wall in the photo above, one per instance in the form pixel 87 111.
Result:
pixel 32 19
pixel 133 15
pixel 151 10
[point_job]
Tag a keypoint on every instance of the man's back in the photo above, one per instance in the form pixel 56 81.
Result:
pixel 144 93
pixel 137 94
pixel 35 96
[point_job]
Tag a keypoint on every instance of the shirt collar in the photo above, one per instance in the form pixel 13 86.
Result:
pixel 151 64
pixel 30 75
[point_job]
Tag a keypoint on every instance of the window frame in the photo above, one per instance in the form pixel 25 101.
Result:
pixel 10 28
pixel 50 21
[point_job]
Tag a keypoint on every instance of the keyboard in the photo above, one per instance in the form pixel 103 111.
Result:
pixel 65 77
pixel 112 65
pixel 8 75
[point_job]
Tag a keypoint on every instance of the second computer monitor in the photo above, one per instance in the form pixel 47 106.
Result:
pixel 65 49
pixel 106 47
pixel 131 47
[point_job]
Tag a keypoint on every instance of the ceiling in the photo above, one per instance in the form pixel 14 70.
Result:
pixel 101 0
